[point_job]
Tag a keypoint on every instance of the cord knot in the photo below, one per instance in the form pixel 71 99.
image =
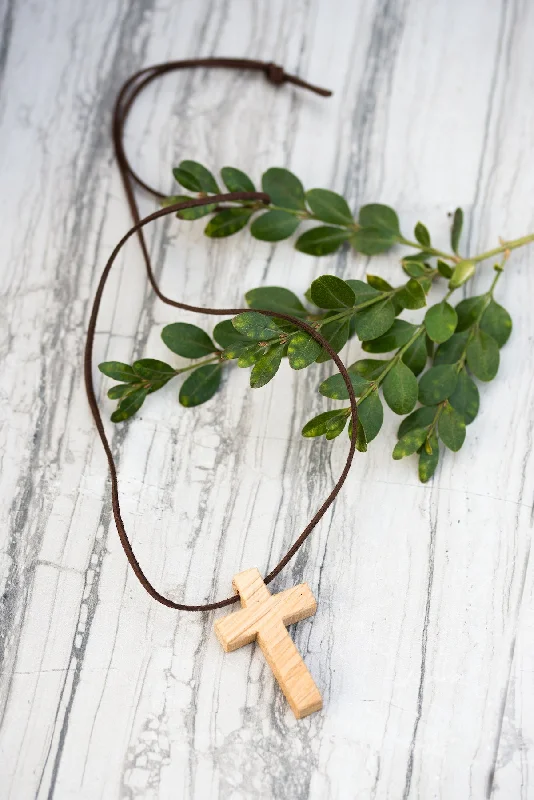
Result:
pixel 275 74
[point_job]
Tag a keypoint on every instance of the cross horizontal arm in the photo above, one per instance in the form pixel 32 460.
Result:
pixel 294 604
pixel 241 628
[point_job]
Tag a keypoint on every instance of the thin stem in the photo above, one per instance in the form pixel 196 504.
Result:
pixel 513 244
pixel 301 213
pixel 398 355
pixel 435 421
pixel 431 250
pixel 476 322
pixel 378 299
pixel 304 214
pixel 491 290
pixel 198 364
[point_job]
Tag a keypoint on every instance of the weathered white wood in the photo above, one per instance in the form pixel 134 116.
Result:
pixel 512 775
pixel 421 589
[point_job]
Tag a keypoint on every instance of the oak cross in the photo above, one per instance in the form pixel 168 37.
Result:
pixel 264 617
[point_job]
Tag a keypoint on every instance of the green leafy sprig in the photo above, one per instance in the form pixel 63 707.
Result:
pixel 433 363
pixel 375 231
pixel 149 374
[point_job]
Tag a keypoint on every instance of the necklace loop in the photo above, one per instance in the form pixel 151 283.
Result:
pixel 127 95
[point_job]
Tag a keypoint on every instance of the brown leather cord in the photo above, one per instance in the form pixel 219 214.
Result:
pixel 126 97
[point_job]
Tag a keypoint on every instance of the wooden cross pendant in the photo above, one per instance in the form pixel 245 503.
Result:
pixel 264 617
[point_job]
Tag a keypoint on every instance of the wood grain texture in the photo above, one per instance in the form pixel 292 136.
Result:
pixel 264 617
pixel 423 642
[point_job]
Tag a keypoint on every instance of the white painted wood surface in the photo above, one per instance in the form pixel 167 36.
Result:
pixel 423 641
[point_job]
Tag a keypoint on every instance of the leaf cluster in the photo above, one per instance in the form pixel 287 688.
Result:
pixel 375 231
pixel 425 372
pixel 462 344
pixel 148 375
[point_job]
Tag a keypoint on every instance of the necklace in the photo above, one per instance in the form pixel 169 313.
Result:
pixel 263 617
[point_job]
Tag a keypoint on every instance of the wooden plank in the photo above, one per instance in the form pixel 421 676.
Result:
pixel 420 588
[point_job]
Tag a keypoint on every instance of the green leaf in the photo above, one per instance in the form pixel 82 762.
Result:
pixel 187 340
pixel 267 366
pixel 362 291
pixel 201 385
pixel 372 241
pixel 373 322
pixel 327 291
pixel 129 405
pixel 496 321
pixel 336 334
pixel 193 176
pixel 153 370
pixel 244 350
pixel 415 357
pixel 429 461
pixel 156 385
pixel 409 443
pixel 302 350
pixel 456 230
pixel 249 354
pixel 226 335
pixel 414 269
pixel 452 350
pixel 420 418
pixel 483 356
pixel 451 428
pixel 227 222
pixel 361 438
pixel 411 295
pixel 121 389
pixel 378 283
pixel 441 321
pixel 361 441
pixel 444 269
pixel 273 226
pixel 466 397
pixel 118 371
pixel 398 335
pixel 369 368
pixel 469 310
pixel 425 283
pixel 376 215
pixel 335 427
pixel 256 326
pixel 422 235
pixel 397 305
pixel 318 426
pixel 286 326
pixel 400 389
pixel 336 388
pixel 371 415
pixel 329 207
pixel 437 384
pixel 196 212
pixel 284 189
pixel 236 181
pixel 463 271
pixel 321 241
pixel 275 298
pixel 419 257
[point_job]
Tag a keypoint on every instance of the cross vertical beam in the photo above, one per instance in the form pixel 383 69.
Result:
pixel 264 617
